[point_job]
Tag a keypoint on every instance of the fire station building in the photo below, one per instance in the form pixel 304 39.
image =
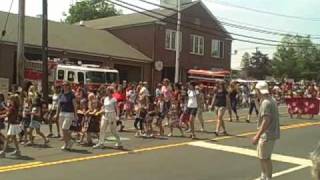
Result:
pixel 135 44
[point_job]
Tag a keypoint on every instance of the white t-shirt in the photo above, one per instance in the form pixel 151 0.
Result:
pixel 55 99
pixel 192 99
pixel 144 92
pixel 109 104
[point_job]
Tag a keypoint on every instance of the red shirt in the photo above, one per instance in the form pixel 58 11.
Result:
pixel 119 96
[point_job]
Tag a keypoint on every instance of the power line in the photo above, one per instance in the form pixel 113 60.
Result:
pixel 264 12
pixel 3 32
pixel 265 27
pixel 193 24
pixel 207 32
pixel 234 26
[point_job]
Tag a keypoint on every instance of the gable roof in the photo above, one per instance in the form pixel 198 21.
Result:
pixel 71 38
pixel 134 18
pixel 137 19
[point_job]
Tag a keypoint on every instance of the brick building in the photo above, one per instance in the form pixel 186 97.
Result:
pixel 205 43
pixel 131 43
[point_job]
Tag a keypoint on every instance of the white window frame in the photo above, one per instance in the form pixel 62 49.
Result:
pixel 197 43
pixel 171 37
pixel 218 46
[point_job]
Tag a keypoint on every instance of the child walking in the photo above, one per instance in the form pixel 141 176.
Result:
pixel 35 123
pixel 174 114
pixel 14 126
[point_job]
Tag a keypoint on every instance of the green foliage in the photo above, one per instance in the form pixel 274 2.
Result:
pixel 257 65
pixel 90 9
pixel 297 58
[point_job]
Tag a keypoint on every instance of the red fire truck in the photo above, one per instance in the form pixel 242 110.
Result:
pixel 92 76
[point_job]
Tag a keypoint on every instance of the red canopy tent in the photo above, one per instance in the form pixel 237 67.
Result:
pixel 207 76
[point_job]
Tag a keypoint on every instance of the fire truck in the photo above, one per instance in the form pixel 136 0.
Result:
pixel 92 76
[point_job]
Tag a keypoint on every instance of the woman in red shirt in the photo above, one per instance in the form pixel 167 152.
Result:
pixel 14 125
pixel 120 96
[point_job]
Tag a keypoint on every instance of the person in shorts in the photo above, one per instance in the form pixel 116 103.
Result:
pixel 2 112
pixel 268 129
pixel 219 101
pixel 35 123
pixel 14 126
pixel 192 106
pixel 67 111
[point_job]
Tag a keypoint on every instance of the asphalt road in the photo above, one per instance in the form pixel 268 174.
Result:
pixel 206 158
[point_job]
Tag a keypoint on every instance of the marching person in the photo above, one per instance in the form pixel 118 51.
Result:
pixel 35 123
pixel 219 101
pixel 192 106
pixel 233 94
pixel 253 102
pixel 52 111
pixel 109 118
pixel 268 129
pixel 167 95
pixel 2 112
pixel 201 105
pixel 67 111
pixel 14 126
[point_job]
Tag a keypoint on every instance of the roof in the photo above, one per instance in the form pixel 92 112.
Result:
pixel 71 38
pixel 136 19
pixel 82 68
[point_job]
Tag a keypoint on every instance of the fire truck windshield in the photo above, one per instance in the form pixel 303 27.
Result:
pixel 101 77
pixel 96 77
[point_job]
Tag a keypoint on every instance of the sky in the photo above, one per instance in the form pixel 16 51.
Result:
pixel 301 8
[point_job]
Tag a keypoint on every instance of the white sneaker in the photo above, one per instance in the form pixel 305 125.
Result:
pixel 64 147
pixel 16 153
pixel 138 134
pixel 2 154
pixel 169 135
pixel 98 146
pixel 118 146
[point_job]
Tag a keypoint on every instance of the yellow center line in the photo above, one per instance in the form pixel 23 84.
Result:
pixel 19 165
pixel 44 164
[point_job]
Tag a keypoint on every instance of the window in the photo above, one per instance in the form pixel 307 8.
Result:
pixel 111 77
pixel 217 48
pixel 171 39
pixel 71 75
pixel 95 77
pixel 80 77
pixel 60 74
pixel 197 43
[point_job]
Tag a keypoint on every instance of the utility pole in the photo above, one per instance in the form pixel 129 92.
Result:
pixel 20 44
pixel 45 88
pixel 176 77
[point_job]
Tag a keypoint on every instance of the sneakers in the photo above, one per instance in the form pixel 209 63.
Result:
pixel 70 144
pixel 64 147
pixel 16 153
pixel 2 154
pixel 170 135
pixel 118 146
pixel 98 146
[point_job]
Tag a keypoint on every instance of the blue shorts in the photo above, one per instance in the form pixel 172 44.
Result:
pixel 35 124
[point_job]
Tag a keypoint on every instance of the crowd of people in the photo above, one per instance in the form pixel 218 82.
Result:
pixel 80 115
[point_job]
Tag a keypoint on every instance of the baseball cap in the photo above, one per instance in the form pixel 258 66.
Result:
pixel 262 86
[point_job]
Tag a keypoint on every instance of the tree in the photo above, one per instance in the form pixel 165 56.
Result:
pixel 245 62
pixel 297 58
pixel 90 9
pixel 259 65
